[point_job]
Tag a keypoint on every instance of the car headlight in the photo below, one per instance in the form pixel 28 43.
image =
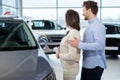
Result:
pixel 42 40
pixel 51 77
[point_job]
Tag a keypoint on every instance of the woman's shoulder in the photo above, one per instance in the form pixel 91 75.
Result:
pixel 74 31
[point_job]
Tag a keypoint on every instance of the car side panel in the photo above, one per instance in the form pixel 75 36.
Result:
pixel 18 65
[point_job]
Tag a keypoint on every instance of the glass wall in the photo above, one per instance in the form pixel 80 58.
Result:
pixel 8 7
pixel 111 15
pixel 42 13
pixel 109 11
pixel 110 3
pixel 0 7
pixel 52 9
pixel 38 4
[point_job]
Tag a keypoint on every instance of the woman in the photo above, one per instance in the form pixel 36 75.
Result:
pixel 70 56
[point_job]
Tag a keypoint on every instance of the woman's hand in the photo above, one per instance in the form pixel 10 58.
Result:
pixel 58 53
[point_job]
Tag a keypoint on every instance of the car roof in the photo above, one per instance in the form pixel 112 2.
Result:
pixel 11 19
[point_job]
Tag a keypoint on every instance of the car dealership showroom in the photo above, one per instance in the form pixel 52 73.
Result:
pixel 32 31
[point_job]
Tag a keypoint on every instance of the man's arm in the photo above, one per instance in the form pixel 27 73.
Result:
pixel 97 44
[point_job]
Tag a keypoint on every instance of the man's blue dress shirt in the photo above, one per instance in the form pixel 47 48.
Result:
pixel 93 45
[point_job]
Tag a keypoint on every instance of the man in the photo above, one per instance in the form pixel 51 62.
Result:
pixel 93 44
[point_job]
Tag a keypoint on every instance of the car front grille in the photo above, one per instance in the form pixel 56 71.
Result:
pixel 112 42
pixel 54 40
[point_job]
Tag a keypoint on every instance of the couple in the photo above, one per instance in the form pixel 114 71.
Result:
pixel 93 45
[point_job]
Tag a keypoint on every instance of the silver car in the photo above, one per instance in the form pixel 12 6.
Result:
pixel 21 57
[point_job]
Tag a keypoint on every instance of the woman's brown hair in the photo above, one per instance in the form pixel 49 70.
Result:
pixel 72 19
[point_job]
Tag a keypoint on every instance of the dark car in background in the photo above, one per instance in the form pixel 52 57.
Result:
pixel 21 57
pixel 112 39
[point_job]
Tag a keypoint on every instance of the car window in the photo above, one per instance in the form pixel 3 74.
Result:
pixel 15 35
pixel 110 29
pixel 118 30
pixel 41 24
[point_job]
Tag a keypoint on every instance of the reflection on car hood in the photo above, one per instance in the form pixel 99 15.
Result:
pixel 41 53
pixel 43 68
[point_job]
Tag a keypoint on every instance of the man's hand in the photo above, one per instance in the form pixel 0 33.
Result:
pixel 74 42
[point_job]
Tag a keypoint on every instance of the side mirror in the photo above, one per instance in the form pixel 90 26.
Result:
pixel 43 42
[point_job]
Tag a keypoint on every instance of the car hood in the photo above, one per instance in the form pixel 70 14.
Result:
pixel 24 65
pixel 43 68
pixel 18 65
pixel 50 32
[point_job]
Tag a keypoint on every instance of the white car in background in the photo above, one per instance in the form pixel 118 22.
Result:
pixel 50 31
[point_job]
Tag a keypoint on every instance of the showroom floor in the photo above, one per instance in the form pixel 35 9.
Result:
pixel 111 73
pixel 113 68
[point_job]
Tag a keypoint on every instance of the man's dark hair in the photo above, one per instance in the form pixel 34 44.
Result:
pixel 91 5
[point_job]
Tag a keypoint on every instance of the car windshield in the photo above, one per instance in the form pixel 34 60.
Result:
pixel 15 35
pixel 45 25
pixel 118 29
pixel 112 29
